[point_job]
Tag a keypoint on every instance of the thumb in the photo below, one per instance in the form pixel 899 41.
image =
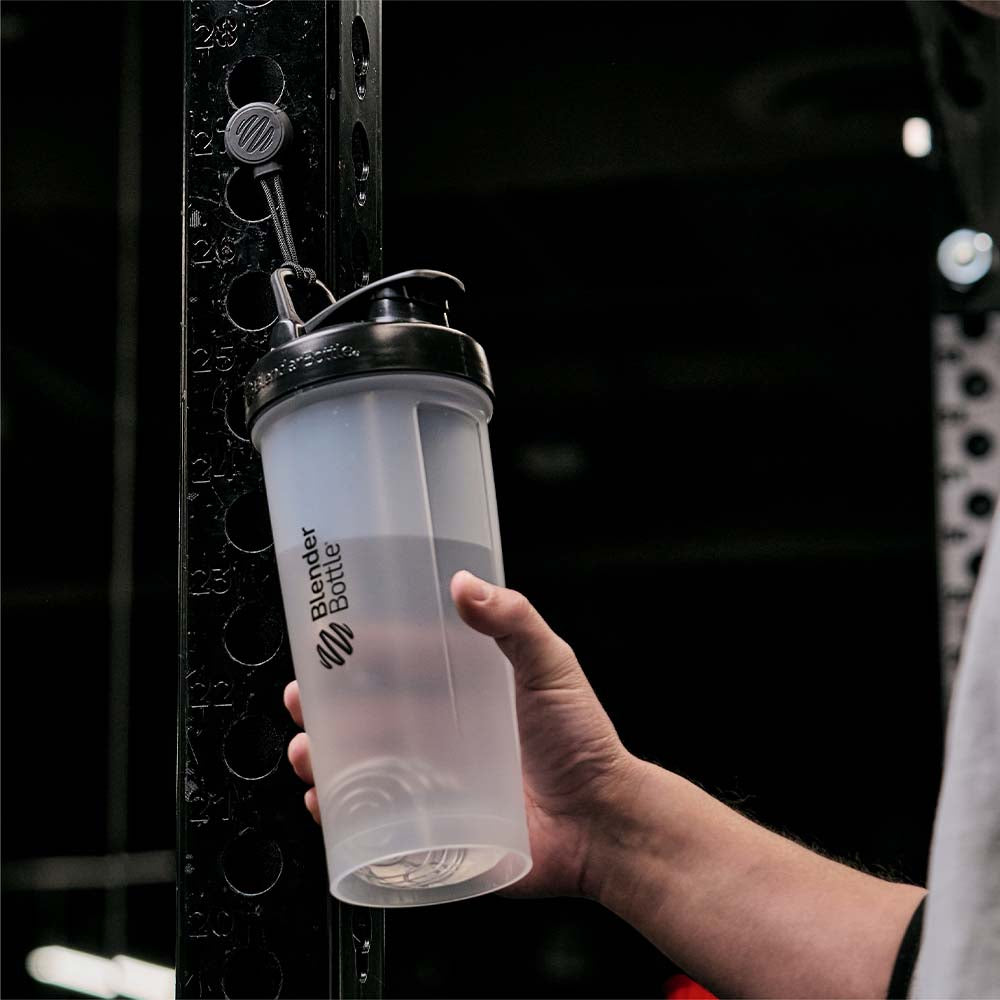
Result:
pixel 541 659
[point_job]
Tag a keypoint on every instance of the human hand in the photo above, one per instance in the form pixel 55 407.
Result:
pixel 577 774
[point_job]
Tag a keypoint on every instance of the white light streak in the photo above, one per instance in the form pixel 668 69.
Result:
pixel 94 976
pixel 917 137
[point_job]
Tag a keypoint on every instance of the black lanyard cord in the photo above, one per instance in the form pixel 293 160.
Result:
pixel 256 136
pixel 271 183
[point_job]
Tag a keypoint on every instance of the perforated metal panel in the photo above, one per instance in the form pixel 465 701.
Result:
pixel 254 914
pixel 967 386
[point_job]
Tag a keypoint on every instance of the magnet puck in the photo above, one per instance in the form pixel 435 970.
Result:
pixel 257 133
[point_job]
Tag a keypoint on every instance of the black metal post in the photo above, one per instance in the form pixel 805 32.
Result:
pixel 253 910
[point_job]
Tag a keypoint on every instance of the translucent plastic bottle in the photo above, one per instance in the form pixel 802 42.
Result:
pixel 371 424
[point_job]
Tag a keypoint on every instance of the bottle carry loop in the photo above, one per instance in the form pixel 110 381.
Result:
pixel 289 325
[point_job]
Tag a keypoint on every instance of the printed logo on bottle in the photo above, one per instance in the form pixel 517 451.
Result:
pixel 327 591
pixel 334 647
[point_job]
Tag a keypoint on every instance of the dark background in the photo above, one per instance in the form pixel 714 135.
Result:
pixel 700 263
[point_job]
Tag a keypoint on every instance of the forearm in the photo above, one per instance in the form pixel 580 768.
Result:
pixel 742 910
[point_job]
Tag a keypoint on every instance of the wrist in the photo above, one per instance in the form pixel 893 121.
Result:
pixel 631 826
pixel 741 909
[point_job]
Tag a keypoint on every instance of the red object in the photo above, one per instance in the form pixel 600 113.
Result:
pixel 681 987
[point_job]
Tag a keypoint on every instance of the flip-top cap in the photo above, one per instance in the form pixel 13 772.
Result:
pixel 396 324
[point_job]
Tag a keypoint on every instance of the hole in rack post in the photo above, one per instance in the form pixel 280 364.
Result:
pixel 360 261
pixel 247 523
pixel 245 197
pixel 252 634
pixel 361 53
pixel 250 972
pixel 250 302
pixel 362 157
pixel 255 78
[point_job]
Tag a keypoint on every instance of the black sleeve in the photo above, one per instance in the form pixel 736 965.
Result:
pixel 906 958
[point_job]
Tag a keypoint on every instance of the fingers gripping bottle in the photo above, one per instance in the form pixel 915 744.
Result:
pixel 371 423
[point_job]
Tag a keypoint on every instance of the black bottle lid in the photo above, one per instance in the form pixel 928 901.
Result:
pixel 395 324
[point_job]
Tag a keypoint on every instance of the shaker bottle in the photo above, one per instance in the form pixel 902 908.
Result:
pixel 370 419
